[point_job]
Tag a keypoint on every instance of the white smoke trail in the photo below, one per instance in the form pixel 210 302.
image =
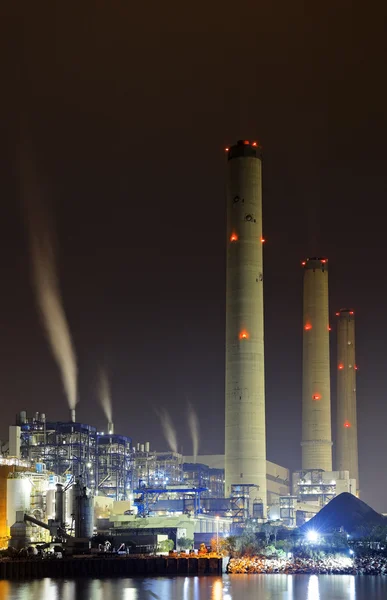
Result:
pixel 46 284
pixel 168 429
pixel 104 393
pixel 193 422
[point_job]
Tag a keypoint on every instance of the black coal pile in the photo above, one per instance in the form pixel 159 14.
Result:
pixel 348 512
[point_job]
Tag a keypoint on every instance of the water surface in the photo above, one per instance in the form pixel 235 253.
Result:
pixel 228 587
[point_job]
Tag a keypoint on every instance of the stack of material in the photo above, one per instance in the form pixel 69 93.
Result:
pixel 348 512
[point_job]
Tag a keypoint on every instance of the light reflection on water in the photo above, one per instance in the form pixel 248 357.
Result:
pixel 234 587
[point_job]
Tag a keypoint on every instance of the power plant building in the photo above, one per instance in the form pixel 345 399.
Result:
pixel 245 435
pixel 346 443
pixel 316 396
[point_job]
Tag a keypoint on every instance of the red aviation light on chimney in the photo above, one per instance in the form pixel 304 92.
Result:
pixel 351 312
pixel 337 314
pixel 254 144
pixel 307 326
pixel 246 143
pixel 329 328
pixel 355 367
pixel 263 240
pixel 340 366
pixel 316 396
pixel 303 263
pixel 324 260
pixel 244 335
pixel 347 424
pixel 226 149
pixel 233 237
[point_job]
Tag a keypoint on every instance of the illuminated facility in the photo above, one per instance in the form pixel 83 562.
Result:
pixel 127 480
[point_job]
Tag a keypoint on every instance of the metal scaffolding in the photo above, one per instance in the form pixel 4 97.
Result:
pixel 114 466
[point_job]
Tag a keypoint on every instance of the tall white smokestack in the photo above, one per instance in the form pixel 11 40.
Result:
pixel 346 445
pixel 245 435
pixel 316 388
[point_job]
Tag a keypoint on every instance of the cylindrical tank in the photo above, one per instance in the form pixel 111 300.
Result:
pixel 50 504
pixel 69 506
pixel 18 497
pixel 84 512
pixel 346 444
pixel 245 432
pixel 59 504
pixel 147 447
pixel 316 390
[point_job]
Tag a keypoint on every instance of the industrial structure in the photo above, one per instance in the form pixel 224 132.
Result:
pixel 316 395
pixel 278 479
pixel 59 479
pixel 245 434
pixel 103 462
pixel 346 434
pixel 113 465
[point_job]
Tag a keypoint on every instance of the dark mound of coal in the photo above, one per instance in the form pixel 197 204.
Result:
pixel 347 511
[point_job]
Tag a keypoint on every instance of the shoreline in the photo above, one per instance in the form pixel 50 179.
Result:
pixel 343 565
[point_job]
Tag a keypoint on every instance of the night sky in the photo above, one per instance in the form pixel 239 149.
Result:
pixel 127 108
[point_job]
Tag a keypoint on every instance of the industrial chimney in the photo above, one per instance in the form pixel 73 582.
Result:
pixel 245 434
pixel 316 392
pixel 346 445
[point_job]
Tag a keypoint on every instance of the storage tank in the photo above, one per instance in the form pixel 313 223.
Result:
pixel 18 497
pixel 84 512
pixel 59 504
pixel 69 507
pixel 50 504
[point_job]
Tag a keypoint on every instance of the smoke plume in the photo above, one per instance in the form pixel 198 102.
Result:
pixel 105 395
pixel 168 429
pixel 193 422
pixel 45 281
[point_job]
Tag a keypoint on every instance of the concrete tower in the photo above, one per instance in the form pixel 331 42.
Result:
pixel 316 392
pixel 346 445
pixel 245 460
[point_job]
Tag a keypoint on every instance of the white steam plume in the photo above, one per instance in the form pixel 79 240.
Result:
pixel 105 395
pixel 168 429
pixel 193 422
pixel 46 284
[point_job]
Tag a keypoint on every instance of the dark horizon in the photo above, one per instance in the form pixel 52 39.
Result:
pixel 128 118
